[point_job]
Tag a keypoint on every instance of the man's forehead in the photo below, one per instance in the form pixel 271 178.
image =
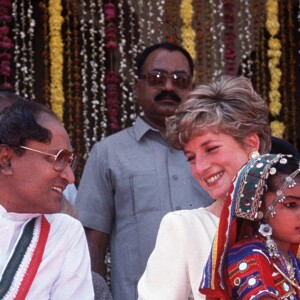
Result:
pixel 163 58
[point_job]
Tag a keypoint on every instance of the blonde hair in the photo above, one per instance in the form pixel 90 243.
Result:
pixel 229 105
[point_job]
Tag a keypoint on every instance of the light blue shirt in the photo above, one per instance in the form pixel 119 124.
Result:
pixel 130 181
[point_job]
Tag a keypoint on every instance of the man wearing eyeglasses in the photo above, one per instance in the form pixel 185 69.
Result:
pixel 133 178
pixel 44 255
pixel 6 99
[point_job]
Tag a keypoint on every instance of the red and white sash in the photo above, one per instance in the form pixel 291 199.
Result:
pixel 23 265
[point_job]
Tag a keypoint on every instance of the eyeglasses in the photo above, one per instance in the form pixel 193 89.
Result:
pixel 61 159
pixel 180 80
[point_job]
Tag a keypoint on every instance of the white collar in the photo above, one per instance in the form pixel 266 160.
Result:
pixel 16 216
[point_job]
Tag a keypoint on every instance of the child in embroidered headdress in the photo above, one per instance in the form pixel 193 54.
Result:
pixel 254 254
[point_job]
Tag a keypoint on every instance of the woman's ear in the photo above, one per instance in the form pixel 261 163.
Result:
pixel 5 160
pixel 252 142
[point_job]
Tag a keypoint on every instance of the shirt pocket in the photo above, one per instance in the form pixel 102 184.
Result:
pixel 146 193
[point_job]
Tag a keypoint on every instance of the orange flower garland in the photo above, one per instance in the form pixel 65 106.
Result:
pixel 56 57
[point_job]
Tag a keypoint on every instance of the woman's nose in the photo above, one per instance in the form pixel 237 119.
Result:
pixel 201 165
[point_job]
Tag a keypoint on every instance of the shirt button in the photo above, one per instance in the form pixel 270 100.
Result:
pixel 175 177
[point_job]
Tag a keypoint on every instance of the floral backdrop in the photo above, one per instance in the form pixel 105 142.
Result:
pixel 78 56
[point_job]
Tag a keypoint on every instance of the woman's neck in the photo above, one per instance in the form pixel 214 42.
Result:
pixel 216 207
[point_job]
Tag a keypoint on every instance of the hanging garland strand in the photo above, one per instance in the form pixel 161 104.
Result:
pixel 69 107
pixel 56 57
pixel 187 32
pixel 217 32
pixel 292 69
pixel 208 35
pixel 45 53
pixel 229 22
pixel 112 81
pixel 30 32
pixel 284 61
pixel 102 61
pixel 274 54
pixel 93 60
pixel 245 36
pixel 84 75
pixel 6 45
pixel 199 40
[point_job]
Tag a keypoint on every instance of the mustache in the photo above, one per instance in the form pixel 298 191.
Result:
pixel 167 94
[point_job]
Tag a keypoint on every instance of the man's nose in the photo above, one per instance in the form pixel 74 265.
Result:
pixel 68 174
pixel 169 86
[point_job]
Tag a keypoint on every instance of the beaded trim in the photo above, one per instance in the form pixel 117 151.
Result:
pixel 289 182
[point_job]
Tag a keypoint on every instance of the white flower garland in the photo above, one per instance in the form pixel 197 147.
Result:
pixel 150 31
pixel 22 269
pixel 31 31
pixel 131 68
pixel 84 74
pixel 160 4
pixel 123 60
pixel 217 31
pixel 16 56
pixel 23 58
pixel 94 72
pixel 245 36
pixel 23 49
pixel 101 62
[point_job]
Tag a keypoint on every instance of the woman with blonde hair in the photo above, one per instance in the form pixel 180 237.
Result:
pixel 220 127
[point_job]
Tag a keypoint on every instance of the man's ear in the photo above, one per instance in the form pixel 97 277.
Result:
pixel 5 160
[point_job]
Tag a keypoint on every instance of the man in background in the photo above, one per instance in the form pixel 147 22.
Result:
pixel 133 178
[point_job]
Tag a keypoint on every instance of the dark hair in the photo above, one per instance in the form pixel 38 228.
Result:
pixel 167 46
pixel 282 146
pixel 19 124
pixel 7 98
pixel 282 170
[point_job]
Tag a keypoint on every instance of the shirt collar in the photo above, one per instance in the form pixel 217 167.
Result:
pixel 16 216
pixel 141 127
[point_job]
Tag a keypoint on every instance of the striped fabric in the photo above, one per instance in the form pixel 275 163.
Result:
pixel 22 267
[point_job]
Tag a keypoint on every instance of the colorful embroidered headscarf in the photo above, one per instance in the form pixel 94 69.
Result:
pixel 243 202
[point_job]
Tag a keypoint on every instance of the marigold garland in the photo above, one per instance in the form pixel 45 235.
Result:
pixel 56 57
pixel 274 54
pixel 187 32
pixel 277 128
